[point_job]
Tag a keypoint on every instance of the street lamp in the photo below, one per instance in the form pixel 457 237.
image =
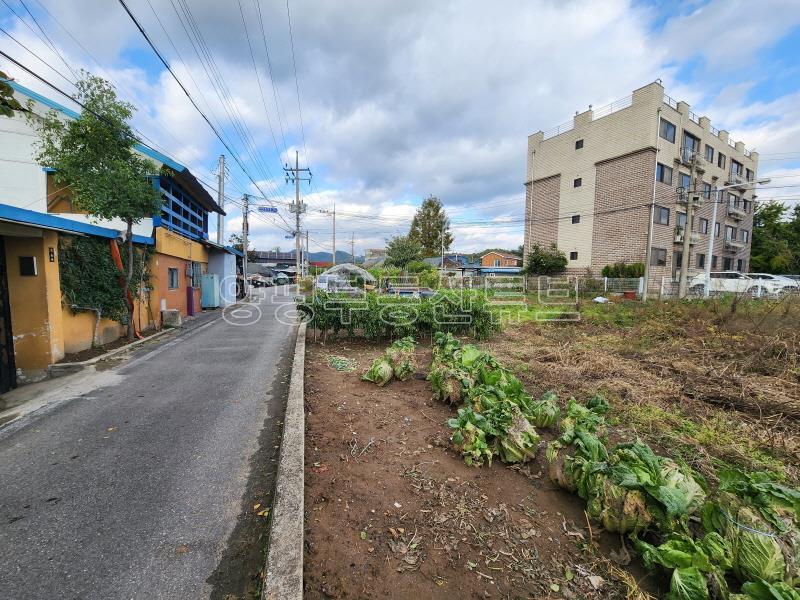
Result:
pixel 711 235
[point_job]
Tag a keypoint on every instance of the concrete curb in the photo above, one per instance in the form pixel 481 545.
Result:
pixel 72 367
pixel 283 574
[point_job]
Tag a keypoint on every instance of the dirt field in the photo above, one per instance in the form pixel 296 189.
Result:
pixel 393 512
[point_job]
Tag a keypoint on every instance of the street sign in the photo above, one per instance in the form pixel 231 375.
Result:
pixel 268 209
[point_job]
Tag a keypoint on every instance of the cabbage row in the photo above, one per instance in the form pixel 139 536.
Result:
pixel 398 362
pixel 496 418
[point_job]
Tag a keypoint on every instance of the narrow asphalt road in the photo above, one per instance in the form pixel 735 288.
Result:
pixel 139 488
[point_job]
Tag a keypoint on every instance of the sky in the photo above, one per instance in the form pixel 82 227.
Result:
pixel 389 102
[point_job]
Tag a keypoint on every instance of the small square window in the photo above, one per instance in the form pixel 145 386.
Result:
pixel 577 182
pixel 576 219
pixel 658 257
pixel 573 256
pixel 701 261
pixel 27 266
pixel 172 275
pixel 727 263
pixel 661 215
pixel 578 144
pixel 664 174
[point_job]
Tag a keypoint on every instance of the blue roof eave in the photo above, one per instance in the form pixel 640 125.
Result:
pixel 33 218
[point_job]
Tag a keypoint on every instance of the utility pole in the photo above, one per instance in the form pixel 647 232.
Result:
pixel 334 235
pixel 648 254
pixel 687 228
pixel 245 231
pixel 293 174
pixel 441 264
pixel 221 200
pixel 353 247
pixel 308 264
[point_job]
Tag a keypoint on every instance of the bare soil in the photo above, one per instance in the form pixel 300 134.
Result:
pixel 393 512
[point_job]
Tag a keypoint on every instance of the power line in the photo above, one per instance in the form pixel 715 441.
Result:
pixel 296 81
pixel 189 96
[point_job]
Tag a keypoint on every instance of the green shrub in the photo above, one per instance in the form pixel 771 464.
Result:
pixel 376 316
pixel 623 270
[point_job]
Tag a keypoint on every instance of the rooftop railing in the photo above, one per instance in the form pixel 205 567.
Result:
pixel 613 107
pixel 670 102
pixel 558 130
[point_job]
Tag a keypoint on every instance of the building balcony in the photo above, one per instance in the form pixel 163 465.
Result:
pixel 734 245
pixel 690 155
pixel 694 238
pixel 737 180
pixel 737 213
pixel 695 197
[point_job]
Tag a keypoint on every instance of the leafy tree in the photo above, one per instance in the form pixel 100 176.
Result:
pixel 8 104
pixel 94 155
pixel 545 261
pixel 236 242
pixel 430 227
pixel 776 239
pixel 401 250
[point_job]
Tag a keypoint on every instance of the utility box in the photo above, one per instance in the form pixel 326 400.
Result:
pixel 209 291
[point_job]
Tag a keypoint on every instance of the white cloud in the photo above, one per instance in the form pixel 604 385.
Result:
pixel 405 99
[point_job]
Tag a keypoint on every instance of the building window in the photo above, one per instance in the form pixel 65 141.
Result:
pixel 577 182
pixel 746 205
pixel 197 274
pixel 681 219
pixel 685 181
pixel 677 260
pixel 740 265
pixel 707 191
pixel 576 219
pixel 710 154
pixel 578 144
pixel 744 235
pixel 713 262
pixel 721 160
pixel 730 233
pixel 750 175
pixel 27 266
pixel 496 262
pixel 667 130
pixel 658 257
pixel 661 215
pixel 573 256
pixel 703 225
pixel 733 200
pixel 172 276
pixel 716 229
pixel 691 145
pixel 727 263
pixel 701 261
pixel 664 174
pixel 736 168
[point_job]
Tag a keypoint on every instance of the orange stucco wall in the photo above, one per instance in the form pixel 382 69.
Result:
pixel 35 304
pixel 175 251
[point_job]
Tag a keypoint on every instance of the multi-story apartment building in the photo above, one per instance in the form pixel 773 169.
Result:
pixel 602 184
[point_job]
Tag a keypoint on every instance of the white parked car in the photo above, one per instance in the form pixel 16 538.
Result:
pixel 780 283
pixel 733 282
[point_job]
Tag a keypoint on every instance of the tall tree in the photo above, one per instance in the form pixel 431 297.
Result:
pixel 401 250
pixel 237 243
pixel 95 156
pixel 430 227
pixel 8 104
pixel 776 239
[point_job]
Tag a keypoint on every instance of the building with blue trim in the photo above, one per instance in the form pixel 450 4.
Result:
pixel 37 328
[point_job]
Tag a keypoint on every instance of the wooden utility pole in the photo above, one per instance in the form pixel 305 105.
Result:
pixel 293 174
pixel 689 194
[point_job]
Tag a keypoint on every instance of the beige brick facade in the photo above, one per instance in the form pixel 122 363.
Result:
pixel 590 183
